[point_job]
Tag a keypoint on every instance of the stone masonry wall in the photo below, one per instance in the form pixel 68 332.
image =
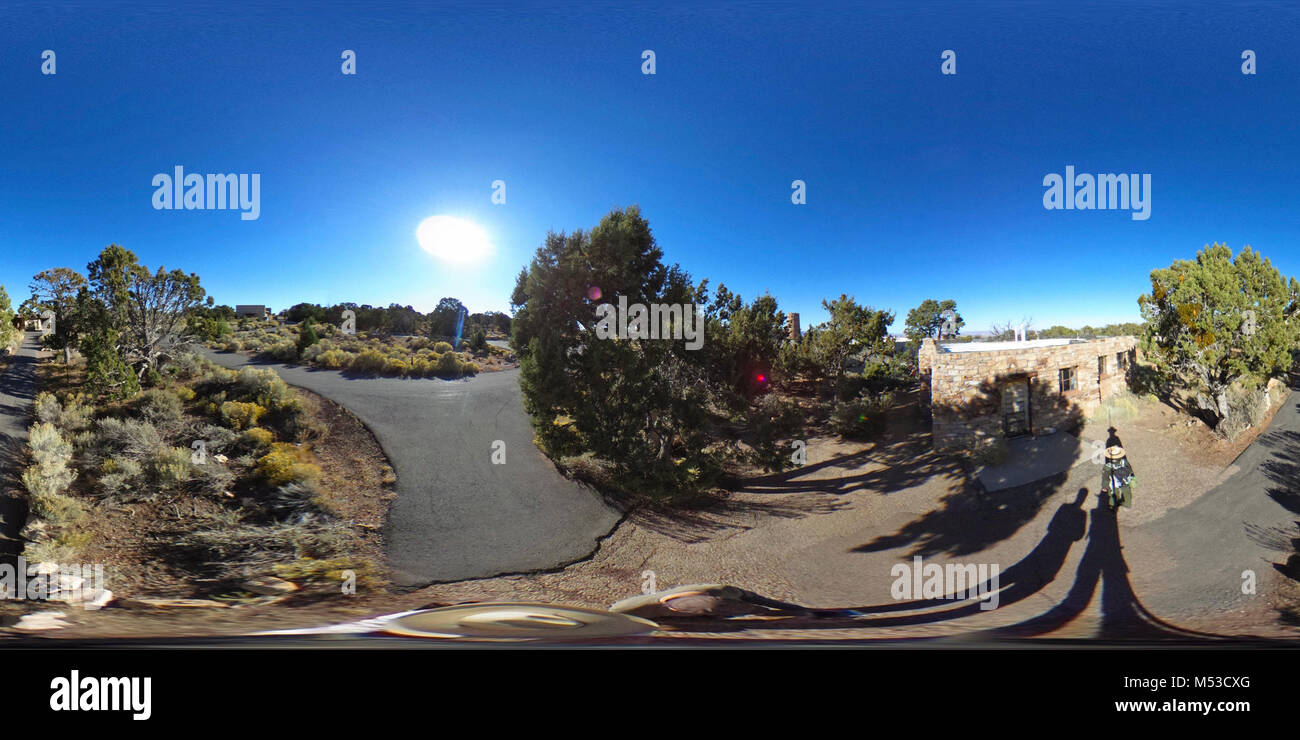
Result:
pixel 966 387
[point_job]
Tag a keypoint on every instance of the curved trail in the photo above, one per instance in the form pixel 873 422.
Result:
pixel 457 516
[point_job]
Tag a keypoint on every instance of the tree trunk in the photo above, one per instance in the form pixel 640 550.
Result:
pixel 67 354
pixel 1221 404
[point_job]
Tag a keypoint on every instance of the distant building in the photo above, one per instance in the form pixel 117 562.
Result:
pixel 792 327
pixel 43 324
pixel 1009 389
pixel 251 311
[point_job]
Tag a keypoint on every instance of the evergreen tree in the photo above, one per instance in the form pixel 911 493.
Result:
pixel 1217 319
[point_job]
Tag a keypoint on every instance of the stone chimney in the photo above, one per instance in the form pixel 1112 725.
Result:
pixel 925 355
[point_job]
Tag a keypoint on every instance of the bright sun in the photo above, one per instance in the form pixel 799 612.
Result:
pixel 452 239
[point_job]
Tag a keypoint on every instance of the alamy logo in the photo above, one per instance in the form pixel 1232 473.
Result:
pixel 1085 192
pixel 94 694
pixel 77 583
pixel 957 581
pixel 659 321
pixel 195 192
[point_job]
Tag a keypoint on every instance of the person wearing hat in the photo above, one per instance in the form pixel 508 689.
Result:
pixel 1117 478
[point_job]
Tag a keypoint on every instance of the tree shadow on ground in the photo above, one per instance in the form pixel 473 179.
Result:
pixel 903 462
pixel 969 520
pixel 714 517
pixel 13 506
pixel 1283 470
pixel 1102 565
pixel 20 383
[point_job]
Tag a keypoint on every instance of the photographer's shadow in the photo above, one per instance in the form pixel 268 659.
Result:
pixel 1122 615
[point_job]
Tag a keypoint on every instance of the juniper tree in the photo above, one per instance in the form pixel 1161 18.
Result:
pixel 56 290
pixel 927 320
pixel 1217 319
pixel 643 405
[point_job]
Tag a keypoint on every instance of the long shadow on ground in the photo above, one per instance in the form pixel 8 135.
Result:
pixel 1102 565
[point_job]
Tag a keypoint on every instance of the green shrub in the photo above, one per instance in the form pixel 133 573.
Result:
pixel 187 365
pixel 442 347
pixel 64 545
pixel 284 351
pixel 313 352
pixel 264 386
pixel 50 475
pixel 857 419
pixel 307 336
pixel 333 359
pixel 47 408
pixel 73 415
pixel 119 474
pixel 1119 407
pixel 769 427
pixel 83 440
pixel 294 420
pixel 217 376
pixel 449 366
pixel 171 467
pixel 330 572
pixel 241 415
pixel 160 406
pixel 283 465
pixel 477 340
pixel 369 362
pixel 134 438
pixel 257 438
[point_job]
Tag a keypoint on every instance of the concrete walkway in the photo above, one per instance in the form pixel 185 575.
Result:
pixel 1031 459
pixel 458 516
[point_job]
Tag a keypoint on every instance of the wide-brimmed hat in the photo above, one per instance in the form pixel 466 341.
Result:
pixel 1114 452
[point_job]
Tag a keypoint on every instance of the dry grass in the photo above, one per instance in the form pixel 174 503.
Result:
pixel 193 533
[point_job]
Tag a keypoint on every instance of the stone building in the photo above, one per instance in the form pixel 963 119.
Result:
pixel 252 311
pixel 1009 389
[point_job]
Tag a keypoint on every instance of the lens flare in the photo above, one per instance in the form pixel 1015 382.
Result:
pixel 593 293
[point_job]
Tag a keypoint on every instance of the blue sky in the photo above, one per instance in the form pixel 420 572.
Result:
pixel 919 185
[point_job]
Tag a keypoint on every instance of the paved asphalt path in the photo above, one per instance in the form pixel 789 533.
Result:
pixel 458 516
pixel 1247 522
pixel 17 390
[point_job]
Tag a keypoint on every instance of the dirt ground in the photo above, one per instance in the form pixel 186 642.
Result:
pixel 828 535
pixel 129 540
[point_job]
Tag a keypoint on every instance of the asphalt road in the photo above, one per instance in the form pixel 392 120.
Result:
pixel 457 515
pixel 17 390
pixel 1247 522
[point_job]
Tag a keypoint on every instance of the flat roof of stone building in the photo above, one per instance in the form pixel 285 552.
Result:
pixel 998 346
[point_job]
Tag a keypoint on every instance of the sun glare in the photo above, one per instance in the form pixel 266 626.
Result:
pixel 452 239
